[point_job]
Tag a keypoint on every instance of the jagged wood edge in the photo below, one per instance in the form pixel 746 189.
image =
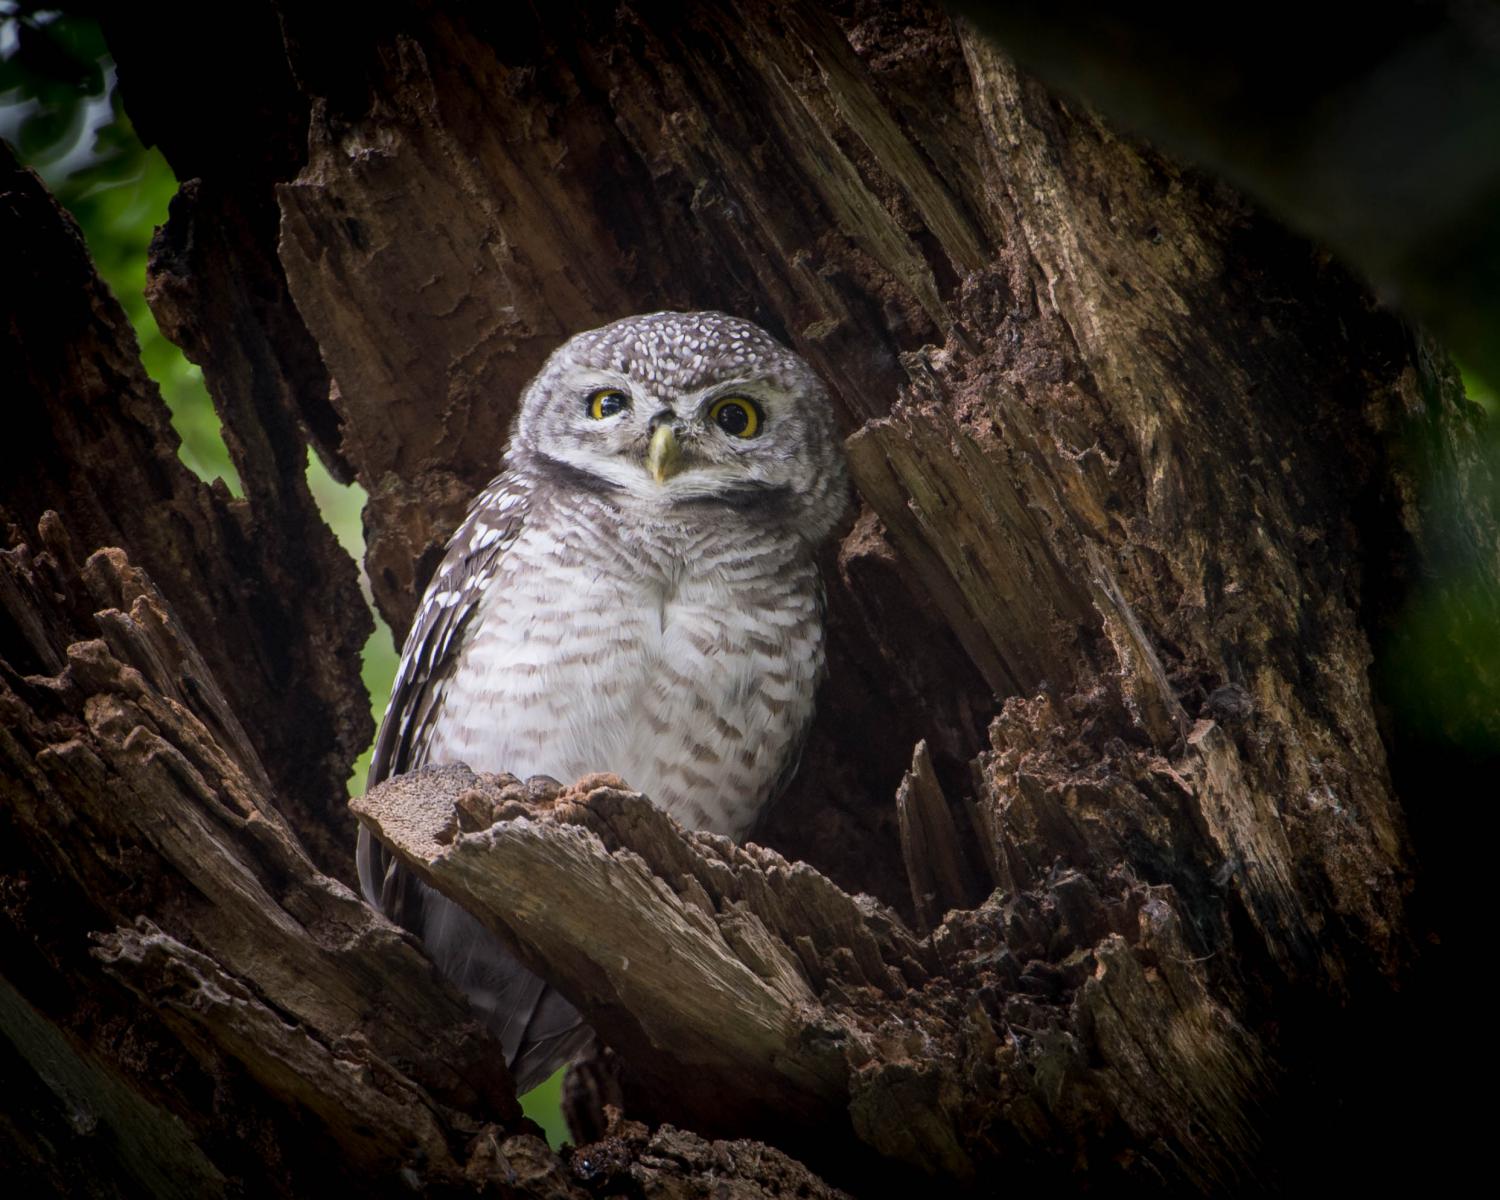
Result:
pixel 249 953
pixel 755 992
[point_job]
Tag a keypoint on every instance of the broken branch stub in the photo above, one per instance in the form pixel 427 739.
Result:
pixel 635 922
pixel 756 996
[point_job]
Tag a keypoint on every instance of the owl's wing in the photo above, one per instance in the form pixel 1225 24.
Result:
pixel 493 523
pixel 538 1028
pixel 454 596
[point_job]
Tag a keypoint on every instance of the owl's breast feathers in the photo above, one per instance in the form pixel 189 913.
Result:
pixel 678 653
pixel 681 655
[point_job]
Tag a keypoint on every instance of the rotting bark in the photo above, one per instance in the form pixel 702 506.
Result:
pixel 751 993
pixel 1409 201
pixel 1133 510
pixel 261 585
pixel 130 789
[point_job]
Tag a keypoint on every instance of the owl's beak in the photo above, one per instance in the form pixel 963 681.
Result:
pixel 664 458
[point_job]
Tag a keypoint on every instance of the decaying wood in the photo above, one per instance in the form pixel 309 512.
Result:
pixel 670 1163
pixel 307 997
pixel 937 867
pixel 750 992
pixel 93 442
pixel 1409 203
pixel 1136 511
pixel 714 1008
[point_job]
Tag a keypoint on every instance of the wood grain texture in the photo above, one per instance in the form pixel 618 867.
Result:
pixel 261 584
pixel 1142 491
pixel 131 788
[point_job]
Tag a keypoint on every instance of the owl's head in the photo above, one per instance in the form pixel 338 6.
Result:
pixel 676 411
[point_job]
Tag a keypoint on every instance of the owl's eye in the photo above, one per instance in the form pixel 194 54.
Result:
pixel 607 402
pixel 736 416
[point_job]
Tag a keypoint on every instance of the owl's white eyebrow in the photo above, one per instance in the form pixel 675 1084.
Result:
pixel 755 389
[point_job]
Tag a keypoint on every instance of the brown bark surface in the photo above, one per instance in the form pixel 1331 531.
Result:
pixel 1095 868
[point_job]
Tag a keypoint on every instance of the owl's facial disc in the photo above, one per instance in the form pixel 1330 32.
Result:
pixel 740 442
pixel 672 412
pixel 662 445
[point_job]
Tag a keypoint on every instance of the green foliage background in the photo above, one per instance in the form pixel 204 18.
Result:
pixel 61 110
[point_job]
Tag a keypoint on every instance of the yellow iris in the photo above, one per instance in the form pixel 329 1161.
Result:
pixel 736 416
pixel 606 402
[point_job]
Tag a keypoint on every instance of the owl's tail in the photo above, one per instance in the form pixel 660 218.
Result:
pixel 539 1030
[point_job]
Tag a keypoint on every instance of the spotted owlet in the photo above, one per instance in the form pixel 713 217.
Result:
pixel 634 593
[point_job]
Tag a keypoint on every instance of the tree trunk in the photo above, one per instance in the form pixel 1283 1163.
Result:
pixel 1096 870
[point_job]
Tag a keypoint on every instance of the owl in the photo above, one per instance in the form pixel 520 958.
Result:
pixel 636 593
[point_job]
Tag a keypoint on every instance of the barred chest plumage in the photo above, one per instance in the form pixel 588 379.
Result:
pixel 680 654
